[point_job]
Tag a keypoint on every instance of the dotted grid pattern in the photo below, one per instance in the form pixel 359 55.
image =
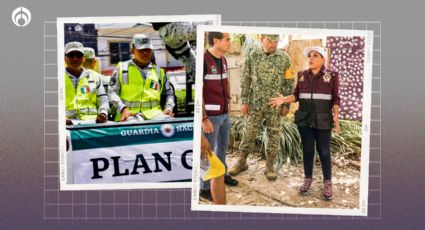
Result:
pixel 175 203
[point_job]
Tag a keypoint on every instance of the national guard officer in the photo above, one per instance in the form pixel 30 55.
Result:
pixel 136 86
pixel 86 98
pixel 90 62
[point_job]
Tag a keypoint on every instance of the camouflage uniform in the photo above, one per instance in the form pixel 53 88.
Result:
pixel 176 36
pixel 263 77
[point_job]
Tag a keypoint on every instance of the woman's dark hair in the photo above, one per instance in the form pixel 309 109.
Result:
pixel 212 35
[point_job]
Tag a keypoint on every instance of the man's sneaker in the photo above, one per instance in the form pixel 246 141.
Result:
pixel 305 186
pixel 230 181
pixel 238 168
pixel 206 194
pixel 327 191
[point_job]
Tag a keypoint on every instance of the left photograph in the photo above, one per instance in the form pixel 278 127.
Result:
pixel 126 100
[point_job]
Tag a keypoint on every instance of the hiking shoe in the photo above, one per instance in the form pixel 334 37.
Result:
pixel 206 194
pixel 230 181
pixel 305 186
pixel 238 168
pixel 327 191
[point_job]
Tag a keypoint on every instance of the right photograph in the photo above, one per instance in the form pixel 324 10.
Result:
pixel 282 124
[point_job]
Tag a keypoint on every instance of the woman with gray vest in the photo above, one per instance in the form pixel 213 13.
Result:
pixel 317 91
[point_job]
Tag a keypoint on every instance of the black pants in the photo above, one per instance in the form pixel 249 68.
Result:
pixel 321 137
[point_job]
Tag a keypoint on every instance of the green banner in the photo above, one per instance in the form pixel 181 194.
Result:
pixel 104 137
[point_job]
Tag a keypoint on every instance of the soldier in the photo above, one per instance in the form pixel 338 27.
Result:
pixel 176 36
pixel 263 78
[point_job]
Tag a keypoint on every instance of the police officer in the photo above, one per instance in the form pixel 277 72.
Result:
pixel 317 91
pixel 86 98
pixel 263 77
pixel 136 86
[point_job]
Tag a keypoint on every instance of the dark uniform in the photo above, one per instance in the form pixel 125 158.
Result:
pixel 317 94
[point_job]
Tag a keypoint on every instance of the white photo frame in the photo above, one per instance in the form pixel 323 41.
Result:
pixel 64 164
pixel 366 118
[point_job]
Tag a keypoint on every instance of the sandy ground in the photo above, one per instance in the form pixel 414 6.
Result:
pixel 255 190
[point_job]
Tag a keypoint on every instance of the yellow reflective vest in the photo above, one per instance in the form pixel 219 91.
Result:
pixel 138 94
pixel 81 102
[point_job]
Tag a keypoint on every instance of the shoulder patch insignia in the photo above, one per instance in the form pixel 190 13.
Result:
pixel 289 73
pixel 327 77
pixel 301 78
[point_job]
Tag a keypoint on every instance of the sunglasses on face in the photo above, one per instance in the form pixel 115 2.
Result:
pixel 75 54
